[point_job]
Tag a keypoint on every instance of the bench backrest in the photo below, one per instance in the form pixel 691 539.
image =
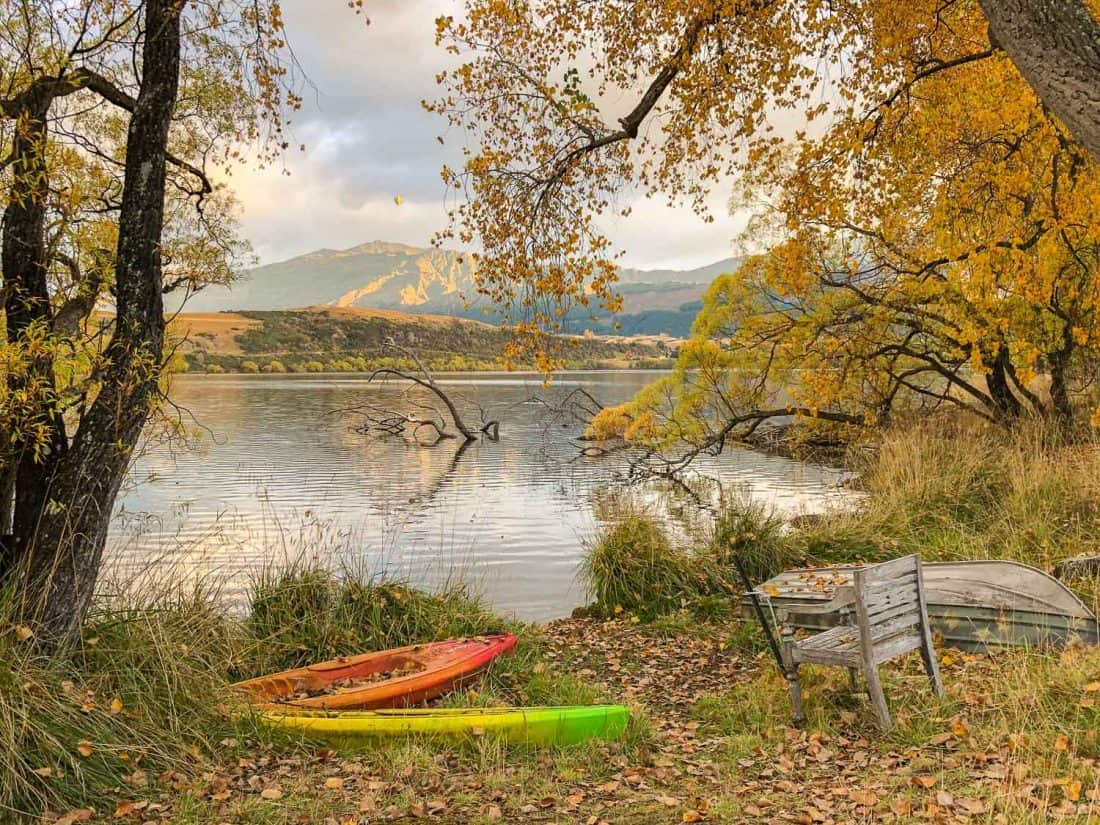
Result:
pixel 889 602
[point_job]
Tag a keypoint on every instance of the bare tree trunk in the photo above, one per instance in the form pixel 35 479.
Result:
pixel 1056 46
pixel 63 548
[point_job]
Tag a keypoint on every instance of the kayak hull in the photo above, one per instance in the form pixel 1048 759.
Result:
pixel 540 726
pixel 421 673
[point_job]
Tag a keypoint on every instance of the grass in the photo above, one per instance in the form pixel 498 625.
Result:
pixel 143 693
pixel 301 614
pixel 143 704
pixel 633 566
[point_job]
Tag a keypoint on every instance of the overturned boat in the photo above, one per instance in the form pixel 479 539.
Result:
pixel 972 605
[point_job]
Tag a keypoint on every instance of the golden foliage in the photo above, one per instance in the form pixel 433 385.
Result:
pixel 934 232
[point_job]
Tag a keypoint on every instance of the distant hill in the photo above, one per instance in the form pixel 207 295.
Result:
pixel 393 276
pixel 350 339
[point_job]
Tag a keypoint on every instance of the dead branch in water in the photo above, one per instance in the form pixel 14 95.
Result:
pixel 385 421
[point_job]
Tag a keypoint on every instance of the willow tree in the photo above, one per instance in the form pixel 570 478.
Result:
pixel 110 112
pixel 934 222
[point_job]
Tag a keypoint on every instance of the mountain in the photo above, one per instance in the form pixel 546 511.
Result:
pixel 393 276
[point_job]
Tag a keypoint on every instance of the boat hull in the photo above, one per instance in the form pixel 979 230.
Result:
pixel 421 673
pixel 540 726
pixel 971 605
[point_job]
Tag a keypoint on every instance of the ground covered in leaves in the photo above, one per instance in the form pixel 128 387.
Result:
pixel 1015 741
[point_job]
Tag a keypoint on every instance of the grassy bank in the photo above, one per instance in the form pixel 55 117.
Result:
pixel 138 725
pixel 329 339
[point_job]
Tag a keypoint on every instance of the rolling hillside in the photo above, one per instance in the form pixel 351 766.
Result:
pixel 349 339
pixel 391 276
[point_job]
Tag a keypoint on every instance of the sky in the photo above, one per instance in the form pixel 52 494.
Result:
pixel 369 140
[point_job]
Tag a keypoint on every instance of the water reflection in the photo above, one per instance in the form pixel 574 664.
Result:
pixel 278 475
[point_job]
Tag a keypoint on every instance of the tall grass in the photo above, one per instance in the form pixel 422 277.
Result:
pixel 144 691
pixel 756 536
pixel 303 613
pixel 147 689
pixel 632 565
pixel 957 491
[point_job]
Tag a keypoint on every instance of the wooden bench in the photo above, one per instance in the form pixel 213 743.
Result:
pixel 883 617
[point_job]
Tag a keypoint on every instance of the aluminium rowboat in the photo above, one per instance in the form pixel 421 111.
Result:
pixel 972 605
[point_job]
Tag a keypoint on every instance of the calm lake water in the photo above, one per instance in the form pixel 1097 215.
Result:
pixel 276 474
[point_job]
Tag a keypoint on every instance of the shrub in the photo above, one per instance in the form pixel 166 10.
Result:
pixel 215 369
pixel 274 366
pixel 750 532
pixel 633 566
pixel 249 366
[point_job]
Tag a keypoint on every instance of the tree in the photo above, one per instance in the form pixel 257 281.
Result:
pixel 79 94
pixel 705 83
pixel 1056 45
pixel 934 229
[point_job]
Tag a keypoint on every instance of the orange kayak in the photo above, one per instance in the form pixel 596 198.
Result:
pixel 395 678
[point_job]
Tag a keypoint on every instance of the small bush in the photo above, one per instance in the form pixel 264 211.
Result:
pixel 274 366
pixel 249 366
pixel 632 566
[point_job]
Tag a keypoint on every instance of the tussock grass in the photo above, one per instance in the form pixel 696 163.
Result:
pixel 633 566
pixel 301 614
pixel 956 491
pixel 749 531
pixel 145 691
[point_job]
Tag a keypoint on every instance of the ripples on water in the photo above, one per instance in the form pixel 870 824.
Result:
pixel 276 476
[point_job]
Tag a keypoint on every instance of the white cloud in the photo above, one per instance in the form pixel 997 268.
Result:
pixel 368 139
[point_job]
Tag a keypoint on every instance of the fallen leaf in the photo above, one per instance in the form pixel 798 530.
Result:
pixel 900 807
pixel 924 781
pixel 867 798
pixel 84 748
pixel 75 816
pixel 334 783
pixel 124 808
pixel 271 794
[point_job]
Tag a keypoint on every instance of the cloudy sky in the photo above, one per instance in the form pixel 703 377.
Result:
pixel 368 140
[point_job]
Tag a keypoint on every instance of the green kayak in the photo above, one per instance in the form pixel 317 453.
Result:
pixel 534 726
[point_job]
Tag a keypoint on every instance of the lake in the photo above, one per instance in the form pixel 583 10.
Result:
pixel 273 473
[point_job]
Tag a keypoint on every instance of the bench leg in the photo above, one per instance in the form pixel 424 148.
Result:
pixel 878 698
pixel 796 695
pixel 931 666
pixel 790 670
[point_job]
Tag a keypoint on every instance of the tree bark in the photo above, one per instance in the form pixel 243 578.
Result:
pixel 26 307
pixel 1006 406
pixel 63 548
pixel 1056 46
